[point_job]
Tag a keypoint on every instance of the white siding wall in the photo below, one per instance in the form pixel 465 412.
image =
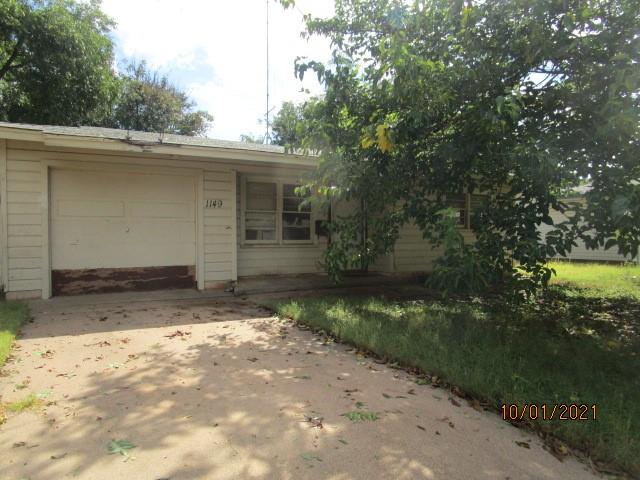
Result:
pixel 218 227
pixel 25 205
pixel 415 254
pixel 24 221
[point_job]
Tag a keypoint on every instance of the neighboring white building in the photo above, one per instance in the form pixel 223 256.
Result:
pixel 580 252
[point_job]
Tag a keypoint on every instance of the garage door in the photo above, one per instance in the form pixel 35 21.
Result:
pixel 121 231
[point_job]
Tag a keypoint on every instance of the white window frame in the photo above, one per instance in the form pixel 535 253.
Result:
pixel 244 211
pixel 279 241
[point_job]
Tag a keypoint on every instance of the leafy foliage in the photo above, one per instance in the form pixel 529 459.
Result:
pixel 515 101
pixel 250 138
pixel 55 61
pixel 148 101
pixel 459 268
pixel 288 127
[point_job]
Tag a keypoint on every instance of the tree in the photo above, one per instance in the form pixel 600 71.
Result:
pixel 251 138
pixel 511 101
pixel 289 126
pixel 285 124
pixel 55 61
pixel 148 101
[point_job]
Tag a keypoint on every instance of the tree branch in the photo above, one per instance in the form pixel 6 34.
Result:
pixel 7 66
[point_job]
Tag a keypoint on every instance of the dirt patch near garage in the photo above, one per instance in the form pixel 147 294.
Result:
pixel 220 389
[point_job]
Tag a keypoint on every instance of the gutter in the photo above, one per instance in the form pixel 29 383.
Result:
pixel 60 140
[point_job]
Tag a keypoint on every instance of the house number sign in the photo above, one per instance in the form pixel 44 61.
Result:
pixel 213 203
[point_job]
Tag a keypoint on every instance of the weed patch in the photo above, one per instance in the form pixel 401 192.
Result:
pixel 12 316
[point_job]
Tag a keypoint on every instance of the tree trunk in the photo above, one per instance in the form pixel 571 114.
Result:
pixel 7 65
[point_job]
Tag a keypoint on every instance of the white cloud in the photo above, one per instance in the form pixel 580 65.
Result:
pixel 216 51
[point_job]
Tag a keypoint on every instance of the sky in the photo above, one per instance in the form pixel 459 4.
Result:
pixel 215 50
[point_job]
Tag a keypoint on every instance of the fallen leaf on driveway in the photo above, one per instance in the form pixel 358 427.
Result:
pixel 120 446
pixel 308 456
pixel 45 354
pixel 523 444
pixel 557 449
pixel 316 422
pixel 178 333
pixel 103 343
pixel 446 420
pixel 58 457
pixel 252 359
pixel 19 444
pixel 361 416
pixel 454 402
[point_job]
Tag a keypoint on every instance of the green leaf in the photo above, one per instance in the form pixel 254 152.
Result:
pixel 357 416
pixel 308 456
pixel 120 446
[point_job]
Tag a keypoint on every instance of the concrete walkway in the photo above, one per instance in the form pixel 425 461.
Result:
pixel 215 388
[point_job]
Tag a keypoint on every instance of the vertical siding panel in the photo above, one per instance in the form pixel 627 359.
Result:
pixel 46 251
pixel 218 227
pixel 22 216
pixel 200 232
pixel 234 226
pixel 4 211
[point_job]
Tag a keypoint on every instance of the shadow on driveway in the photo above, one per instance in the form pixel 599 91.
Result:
pixel 220 390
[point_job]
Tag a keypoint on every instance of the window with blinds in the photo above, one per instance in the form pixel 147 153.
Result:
pixel 274 213
pixel 261 211
pixel 296 218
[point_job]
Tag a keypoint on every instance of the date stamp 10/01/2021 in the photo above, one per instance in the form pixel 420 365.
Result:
pixel 560 411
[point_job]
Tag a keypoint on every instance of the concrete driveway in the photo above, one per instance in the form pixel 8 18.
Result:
pixel 217 389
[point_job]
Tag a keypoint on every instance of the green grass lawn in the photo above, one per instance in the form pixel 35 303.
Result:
pixel 599 279
pixel 12 316
pixel 576 344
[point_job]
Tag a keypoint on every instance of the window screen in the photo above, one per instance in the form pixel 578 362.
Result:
pixel 260 212
pixel 296 219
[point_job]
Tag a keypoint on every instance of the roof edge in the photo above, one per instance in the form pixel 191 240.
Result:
pixel 84 140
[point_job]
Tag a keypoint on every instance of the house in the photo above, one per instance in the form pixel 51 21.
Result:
pixel 580 252
pixel 88 209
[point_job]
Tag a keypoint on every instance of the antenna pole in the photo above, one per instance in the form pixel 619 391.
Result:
pixel 267 137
